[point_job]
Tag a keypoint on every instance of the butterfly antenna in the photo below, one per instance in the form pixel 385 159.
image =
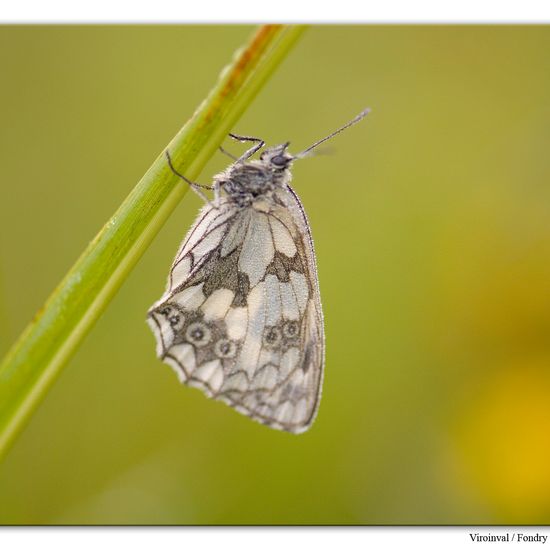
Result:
pixel 359 117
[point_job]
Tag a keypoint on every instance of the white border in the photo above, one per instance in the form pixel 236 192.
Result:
pixel 281 11
pixel 267 538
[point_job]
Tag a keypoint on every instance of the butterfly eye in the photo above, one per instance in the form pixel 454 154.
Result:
pixel 176 321
pixel 225 349
pixel 279 161
pixel 291 329
pixel 198 334
pixel 272 337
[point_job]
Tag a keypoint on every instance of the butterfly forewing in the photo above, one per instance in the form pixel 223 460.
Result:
pixel 241 316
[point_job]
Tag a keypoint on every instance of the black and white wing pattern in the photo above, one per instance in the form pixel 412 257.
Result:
pixel 241 317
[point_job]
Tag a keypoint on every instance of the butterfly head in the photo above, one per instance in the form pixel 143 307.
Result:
pixel 247 180
pixel 277 158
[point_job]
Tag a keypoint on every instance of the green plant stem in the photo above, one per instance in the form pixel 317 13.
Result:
pixel 37 358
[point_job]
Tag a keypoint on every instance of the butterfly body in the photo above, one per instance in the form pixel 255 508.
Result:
pixel 241 317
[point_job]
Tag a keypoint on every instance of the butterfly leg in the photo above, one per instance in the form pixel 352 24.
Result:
pixel 228 153
pixel 195 186
pixel 247 154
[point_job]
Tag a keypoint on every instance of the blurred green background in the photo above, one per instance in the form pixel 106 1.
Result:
pixel 431 221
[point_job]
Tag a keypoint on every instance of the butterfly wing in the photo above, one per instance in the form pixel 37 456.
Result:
pixel 241 317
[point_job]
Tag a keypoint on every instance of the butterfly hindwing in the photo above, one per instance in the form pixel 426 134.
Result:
pixel 241 316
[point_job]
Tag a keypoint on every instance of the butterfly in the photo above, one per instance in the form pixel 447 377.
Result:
pixel 241 317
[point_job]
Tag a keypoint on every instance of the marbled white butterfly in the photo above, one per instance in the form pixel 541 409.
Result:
pixel 241 317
